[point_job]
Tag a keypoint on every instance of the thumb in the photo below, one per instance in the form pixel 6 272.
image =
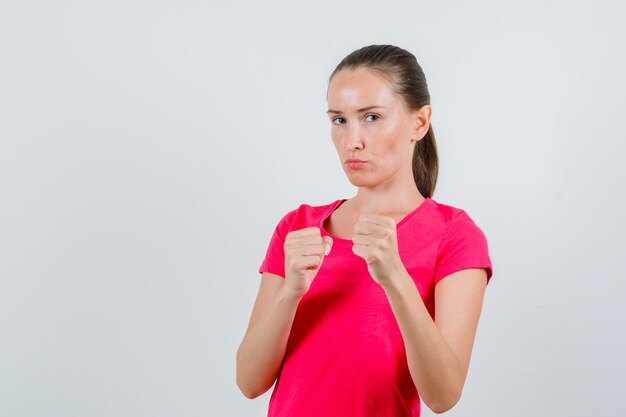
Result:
pixel 327 241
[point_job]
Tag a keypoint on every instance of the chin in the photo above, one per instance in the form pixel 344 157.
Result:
pixel 361 181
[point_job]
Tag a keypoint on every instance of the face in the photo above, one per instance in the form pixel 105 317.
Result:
pixel 370 122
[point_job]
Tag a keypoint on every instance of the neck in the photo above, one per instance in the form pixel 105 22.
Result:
pixel 403 197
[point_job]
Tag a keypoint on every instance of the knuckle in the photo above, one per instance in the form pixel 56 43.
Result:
pixel 308 231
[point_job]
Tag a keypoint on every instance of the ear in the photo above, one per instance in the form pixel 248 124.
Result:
pixel 420 122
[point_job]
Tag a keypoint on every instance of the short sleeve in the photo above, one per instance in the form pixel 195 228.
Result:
pixel 463 246
pixel 274 260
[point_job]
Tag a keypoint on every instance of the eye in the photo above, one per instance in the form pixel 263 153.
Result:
pixel 338 120
pixel 375 117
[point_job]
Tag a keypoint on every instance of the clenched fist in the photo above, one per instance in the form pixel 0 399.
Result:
pixel 304 253
pixel 375 240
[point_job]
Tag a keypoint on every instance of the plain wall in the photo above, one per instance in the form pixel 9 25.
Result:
pixel 148 149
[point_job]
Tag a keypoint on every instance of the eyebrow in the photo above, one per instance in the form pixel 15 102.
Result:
pixel 360 110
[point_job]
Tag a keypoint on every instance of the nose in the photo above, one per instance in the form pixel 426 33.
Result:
pixel 353 139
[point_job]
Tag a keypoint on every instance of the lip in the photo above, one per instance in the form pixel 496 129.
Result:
pixel 355 163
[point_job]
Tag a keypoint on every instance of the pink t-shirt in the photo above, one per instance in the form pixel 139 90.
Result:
pixel 345 355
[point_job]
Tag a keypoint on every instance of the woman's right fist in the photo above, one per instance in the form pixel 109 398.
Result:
pixel 304 253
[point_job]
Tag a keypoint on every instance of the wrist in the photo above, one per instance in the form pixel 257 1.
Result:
pixel 398 281
pixel 288 294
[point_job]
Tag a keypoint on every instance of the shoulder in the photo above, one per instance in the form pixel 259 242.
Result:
pixel 456 223
pixel 445 212
pixel 463 244
pixel 305 215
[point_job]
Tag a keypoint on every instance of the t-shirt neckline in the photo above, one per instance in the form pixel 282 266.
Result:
pixel 337 203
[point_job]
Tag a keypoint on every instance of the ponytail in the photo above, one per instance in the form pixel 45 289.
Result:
pixel 426 164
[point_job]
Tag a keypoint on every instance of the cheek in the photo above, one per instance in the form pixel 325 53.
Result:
pixel 388 143
pixel 335 139
pixel 390 152
pixel 395 141
pixel 338 139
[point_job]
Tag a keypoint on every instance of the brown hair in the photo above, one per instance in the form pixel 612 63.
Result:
pixel 400 67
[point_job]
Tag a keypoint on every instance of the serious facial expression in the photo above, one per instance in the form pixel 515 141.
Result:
pixel 370 123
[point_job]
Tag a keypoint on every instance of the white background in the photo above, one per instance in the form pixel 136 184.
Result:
pixel 148 149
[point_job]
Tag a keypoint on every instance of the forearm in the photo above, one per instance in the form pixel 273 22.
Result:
pixel 434 367
pixel 263 348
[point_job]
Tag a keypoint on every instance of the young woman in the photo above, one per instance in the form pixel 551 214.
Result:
pixel 353 315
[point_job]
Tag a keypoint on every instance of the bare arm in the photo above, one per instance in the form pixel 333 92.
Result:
pixel 438 352
pixel 263 347
pixel 262 350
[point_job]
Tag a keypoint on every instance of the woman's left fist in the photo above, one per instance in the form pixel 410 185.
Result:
pixel 375 240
